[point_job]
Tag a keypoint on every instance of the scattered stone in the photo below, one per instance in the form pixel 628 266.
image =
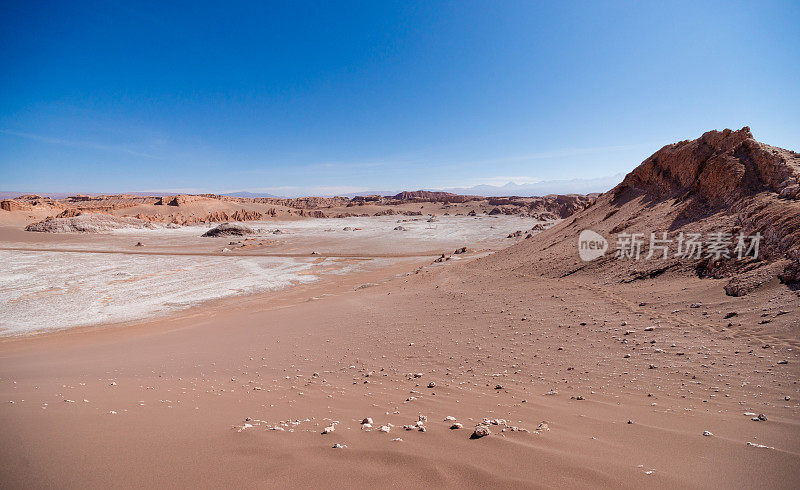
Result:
pixel 480 431
pixel 431 385
pixel 385 428
pixel 707 433
pixel 449 418
pixel 367 420
pixel 457 425
pixel 783 361
pixel 329 429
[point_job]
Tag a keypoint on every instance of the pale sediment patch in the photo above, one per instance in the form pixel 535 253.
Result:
pixel 54 290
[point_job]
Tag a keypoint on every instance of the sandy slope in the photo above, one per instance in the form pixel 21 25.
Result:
pixel 184 387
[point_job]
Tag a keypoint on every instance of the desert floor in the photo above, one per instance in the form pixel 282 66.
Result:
pixel 581 390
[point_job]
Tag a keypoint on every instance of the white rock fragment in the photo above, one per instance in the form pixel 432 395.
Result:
pixel 385 428
pixel 480 431
pixel 329 429
pixel 753 444
pixel 457 425
pixel 707 433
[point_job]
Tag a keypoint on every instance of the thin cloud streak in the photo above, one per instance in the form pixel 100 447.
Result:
pixel 75 144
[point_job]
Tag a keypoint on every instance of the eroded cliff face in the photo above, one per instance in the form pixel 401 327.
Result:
pixel 722 167
pixel 722 182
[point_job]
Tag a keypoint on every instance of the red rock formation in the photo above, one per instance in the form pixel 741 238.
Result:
pixel 13 205
pixel 723 182
pixel 432 196
pixel 69 213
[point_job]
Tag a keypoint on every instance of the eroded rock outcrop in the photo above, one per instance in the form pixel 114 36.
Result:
pixel 724 184
pixel 229 229
pixel 87 223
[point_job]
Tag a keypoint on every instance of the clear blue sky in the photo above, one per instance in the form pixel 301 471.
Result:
pixel 312 97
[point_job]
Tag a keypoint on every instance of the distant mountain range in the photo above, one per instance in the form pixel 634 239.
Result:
pixel 250 194
pixel 573 186
pixel 543 188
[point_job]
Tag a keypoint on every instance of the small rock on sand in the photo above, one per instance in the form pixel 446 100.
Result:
pixel 480 431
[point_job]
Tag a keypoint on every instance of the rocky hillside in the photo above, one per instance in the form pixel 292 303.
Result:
pixel 715 198
pixel 185 209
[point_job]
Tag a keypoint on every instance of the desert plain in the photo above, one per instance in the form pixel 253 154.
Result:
pixel 422 339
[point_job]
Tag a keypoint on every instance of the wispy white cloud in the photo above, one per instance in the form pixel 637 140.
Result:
pixel 503 179
pixel 75 143
pixel 563 153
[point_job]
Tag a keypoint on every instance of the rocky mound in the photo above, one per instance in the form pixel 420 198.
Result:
pixel 432 196
pixel 724 190
pixel 229 229
pixel 13 205
pixel 86 223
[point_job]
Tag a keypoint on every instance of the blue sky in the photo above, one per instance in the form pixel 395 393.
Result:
pixel 322 98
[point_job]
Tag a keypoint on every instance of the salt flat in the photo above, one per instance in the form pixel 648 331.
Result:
pixel 72 284
pixel 54 290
